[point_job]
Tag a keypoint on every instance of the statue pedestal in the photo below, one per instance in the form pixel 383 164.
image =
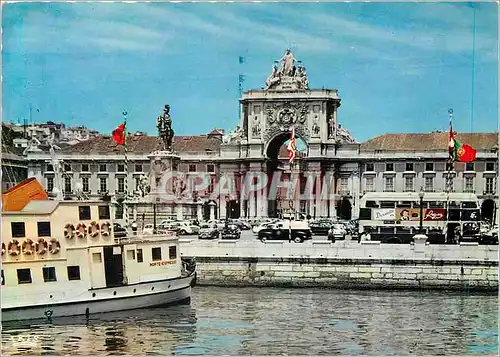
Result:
pixel 164 166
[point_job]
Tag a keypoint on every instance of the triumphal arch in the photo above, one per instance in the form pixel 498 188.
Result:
pixel 268 116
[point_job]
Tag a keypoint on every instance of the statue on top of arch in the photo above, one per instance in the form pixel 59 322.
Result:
pixel 287 72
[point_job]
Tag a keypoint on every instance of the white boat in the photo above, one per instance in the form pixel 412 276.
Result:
pixel 60 258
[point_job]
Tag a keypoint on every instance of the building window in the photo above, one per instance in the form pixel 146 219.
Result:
pixel 104 212
pixel 103 168
pixel 156 254
pixel 139 256
pixel 469 184
pixel 24 276
pixel 84 212
pixel 409 183
pixel 138 167
pixel 389 167
pixel 85 168
pixel 429 184
pixel 50 168
pixel 369 167
pixel 343 184
pixel 49 274
pixel 210 168
pixel 121 168
pixel 192 168
pixel 50 184
pixel 489 185
pixel 389 184
pixel 409 166
pixel 74 272
pixel 172 252
pixel 43 229
pixel 85 184
pixel 67 184
pixel 469 166
pixel 429 166
pixel 121 184
pixel 103 184
pixel 490 166
pixel 211 185
pixel 369 184
pixel 67 167
pixel 18 230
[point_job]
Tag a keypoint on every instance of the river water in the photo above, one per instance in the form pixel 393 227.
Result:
pixel 266 321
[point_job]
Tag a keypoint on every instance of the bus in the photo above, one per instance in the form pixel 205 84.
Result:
pixel 394 217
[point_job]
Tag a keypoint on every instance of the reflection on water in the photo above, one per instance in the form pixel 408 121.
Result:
pixel 253 321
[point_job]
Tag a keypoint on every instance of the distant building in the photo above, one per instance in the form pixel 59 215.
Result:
pixel 389 162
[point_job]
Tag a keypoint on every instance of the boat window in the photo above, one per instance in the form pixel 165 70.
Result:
pixel 18 230
pixel 74 272
pixel 49 274
pixel 96 257
pixel 131 254
pixel 44 229
pixel 371 204
pixel 3 278
pixel 454 215
pixel 156 253
pixel 104 212
pixel 139 256
pixel 172 252
pixel 84 213
pixel 23 276
pixel 404 204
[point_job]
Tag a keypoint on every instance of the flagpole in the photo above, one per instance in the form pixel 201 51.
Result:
pixel 450 168
pixel 125 206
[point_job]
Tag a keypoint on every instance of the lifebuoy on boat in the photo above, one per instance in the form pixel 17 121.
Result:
pixel 54 246
pixel 105 229
pixel 94 229
pixel 42 246
pixel 3 248
pixel 28 247
pixel 14 247
pixel 81 230
pixel 69 231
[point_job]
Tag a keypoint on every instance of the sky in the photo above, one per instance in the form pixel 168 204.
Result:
pixel 398 67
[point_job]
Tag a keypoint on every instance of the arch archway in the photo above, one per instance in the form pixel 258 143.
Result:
pixel 277 160
pixel 488 210
pixel 344 209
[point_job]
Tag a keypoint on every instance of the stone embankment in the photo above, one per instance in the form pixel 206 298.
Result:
pixel 344 265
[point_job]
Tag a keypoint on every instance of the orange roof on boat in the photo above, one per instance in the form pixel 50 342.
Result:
pixel 21 194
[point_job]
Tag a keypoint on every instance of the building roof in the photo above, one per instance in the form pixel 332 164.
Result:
pixel 143 144
pixel 437 141
pixel 40 207
pixel 17 197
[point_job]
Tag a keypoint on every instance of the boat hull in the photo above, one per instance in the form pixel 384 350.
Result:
pixel 160 293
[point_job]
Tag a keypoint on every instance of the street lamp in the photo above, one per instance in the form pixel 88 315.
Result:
pixel 421 195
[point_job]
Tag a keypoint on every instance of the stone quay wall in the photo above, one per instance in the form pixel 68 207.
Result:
pixel 345 265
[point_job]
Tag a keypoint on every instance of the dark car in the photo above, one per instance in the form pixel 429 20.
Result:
pixel 242 225
pixel 320 227
pixel 119 230
pixel 231 231
pixel 281 232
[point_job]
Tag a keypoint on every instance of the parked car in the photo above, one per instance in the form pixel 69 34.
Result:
pixel 242 225
pixel 231 231
pixel 208 231
pixel 490 237
pixel 258 228
pixel 320 227
pixel 119 230
pixel 337 231
pixel 300 232
pixel 182 228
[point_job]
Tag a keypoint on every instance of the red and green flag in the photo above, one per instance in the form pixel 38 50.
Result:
pixel 458 151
